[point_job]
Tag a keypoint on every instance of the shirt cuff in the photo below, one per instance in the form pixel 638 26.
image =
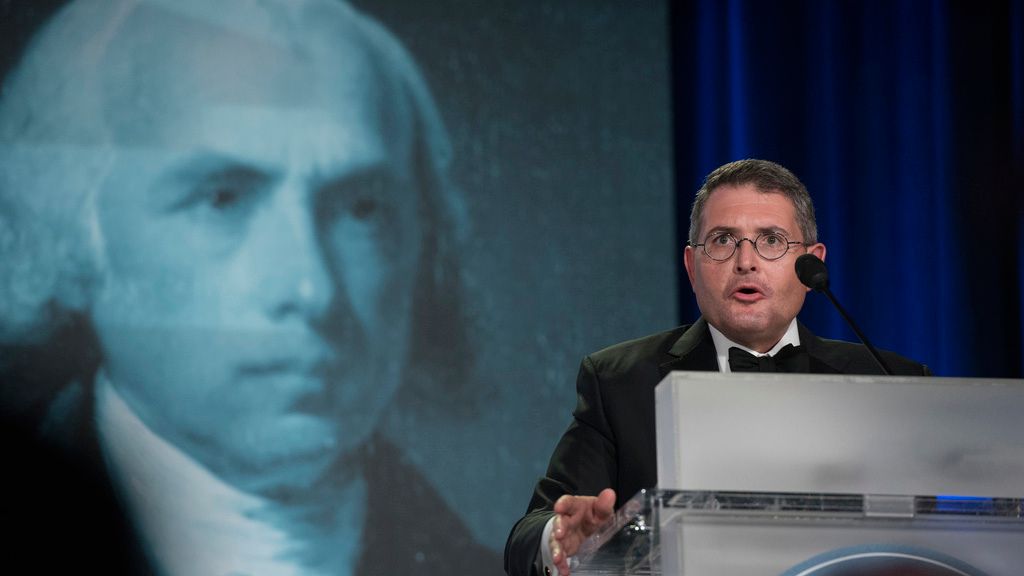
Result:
pixel 545 549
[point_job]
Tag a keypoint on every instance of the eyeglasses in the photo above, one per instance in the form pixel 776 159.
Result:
pixel 770 245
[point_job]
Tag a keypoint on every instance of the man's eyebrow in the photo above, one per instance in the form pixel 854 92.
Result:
pixel 351 179
pixel 721 230
pixel 212 164
pixel 773 229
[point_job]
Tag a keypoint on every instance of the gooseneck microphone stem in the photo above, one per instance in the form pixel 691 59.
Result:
pixel 812 273
pixel 874 352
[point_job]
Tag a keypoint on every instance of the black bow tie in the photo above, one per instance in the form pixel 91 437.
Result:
pixel 789 359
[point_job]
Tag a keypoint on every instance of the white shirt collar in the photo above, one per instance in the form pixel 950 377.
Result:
pixel 189 521
pixel 722 345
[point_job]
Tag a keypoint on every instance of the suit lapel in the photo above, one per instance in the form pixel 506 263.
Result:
pixel 693 351
pixel 821 362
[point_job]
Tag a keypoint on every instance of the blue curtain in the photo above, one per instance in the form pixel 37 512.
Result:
pixel 904 121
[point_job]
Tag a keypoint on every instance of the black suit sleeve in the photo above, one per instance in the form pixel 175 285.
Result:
pixel 583 463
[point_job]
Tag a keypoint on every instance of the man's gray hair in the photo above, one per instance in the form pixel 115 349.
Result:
pixel 767 177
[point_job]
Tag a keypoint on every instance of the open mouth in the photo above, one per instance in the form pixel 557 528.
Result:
pixel 748 293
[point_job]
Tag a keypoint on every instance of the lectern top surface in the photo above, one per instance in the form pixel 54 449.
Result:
pixel 812 433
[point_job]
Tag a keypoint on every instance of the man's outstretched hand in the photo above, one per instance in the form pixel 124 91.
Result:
pixel 576 518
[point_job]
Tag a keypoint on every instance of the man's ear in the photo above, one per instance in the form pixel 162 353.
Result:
pixel 688 256
pixel 818 250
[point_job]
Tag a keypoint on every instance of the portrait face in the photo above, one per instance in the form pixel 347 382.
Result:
pixel 749 299
pixel 260 240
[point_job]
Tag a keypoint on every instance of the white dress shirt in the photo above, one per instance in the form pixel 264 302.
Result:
pixel 722 345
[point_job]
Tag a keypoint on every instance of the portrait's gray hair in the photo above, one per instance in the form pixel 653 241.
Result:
pixel 55 153
pixel 767 177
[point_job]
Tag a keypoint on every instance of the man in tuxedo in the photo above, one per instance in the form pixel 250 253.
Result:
pixel 749 222
pixel 227 238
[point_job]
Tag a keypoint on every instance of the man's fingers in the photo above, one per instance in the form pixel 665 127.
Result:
pixel 564 525
pixel 560 526
pixel 566 537
pixel 573 506
pixel 569 511
pixel 600 510
pixel 576 519
pixel 605 505
pixel 560 558
pixel 570 504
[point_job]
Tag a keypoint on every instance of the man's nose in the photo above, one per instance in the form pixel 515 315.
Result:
pixel 297 273
pixel 746 256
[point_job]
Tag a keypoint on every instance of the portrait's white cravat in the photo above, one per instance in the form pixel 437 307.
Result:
pixel 190 522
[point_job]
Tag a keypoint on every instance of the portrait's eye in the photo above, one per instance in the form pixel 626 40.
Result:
pixel 227 200
pixel 218 193
pixel 224 197
pixel 722 240
pixel 367 199
pixel 772 240
pixel 364 208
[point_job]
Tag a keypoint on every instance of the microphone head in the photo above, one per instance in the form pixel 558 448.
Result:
pixel 812 272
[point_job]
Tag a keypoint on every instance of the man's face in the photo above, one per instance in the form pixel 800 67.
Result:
pixel 261 240
pixel 749 299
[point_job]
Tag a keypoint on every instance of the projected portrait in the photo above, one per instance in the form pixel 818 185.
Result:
pixel 229 227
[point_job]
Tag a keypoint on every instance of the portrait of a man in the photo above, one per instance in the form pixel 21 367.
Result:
pixel 225 229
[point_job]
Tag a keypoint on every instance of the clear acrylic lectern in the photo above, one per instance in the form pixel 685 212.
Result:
pixel 820 475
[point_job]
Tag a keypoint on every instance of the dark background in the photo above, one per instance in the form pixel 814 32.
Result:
pixel 906 122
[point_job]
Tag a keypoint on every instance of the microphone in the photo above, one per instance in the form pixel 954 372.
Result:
pixel 812 273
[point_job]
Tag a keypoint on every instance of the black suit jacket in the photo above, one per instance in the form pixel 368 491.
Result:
pixel 611 440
